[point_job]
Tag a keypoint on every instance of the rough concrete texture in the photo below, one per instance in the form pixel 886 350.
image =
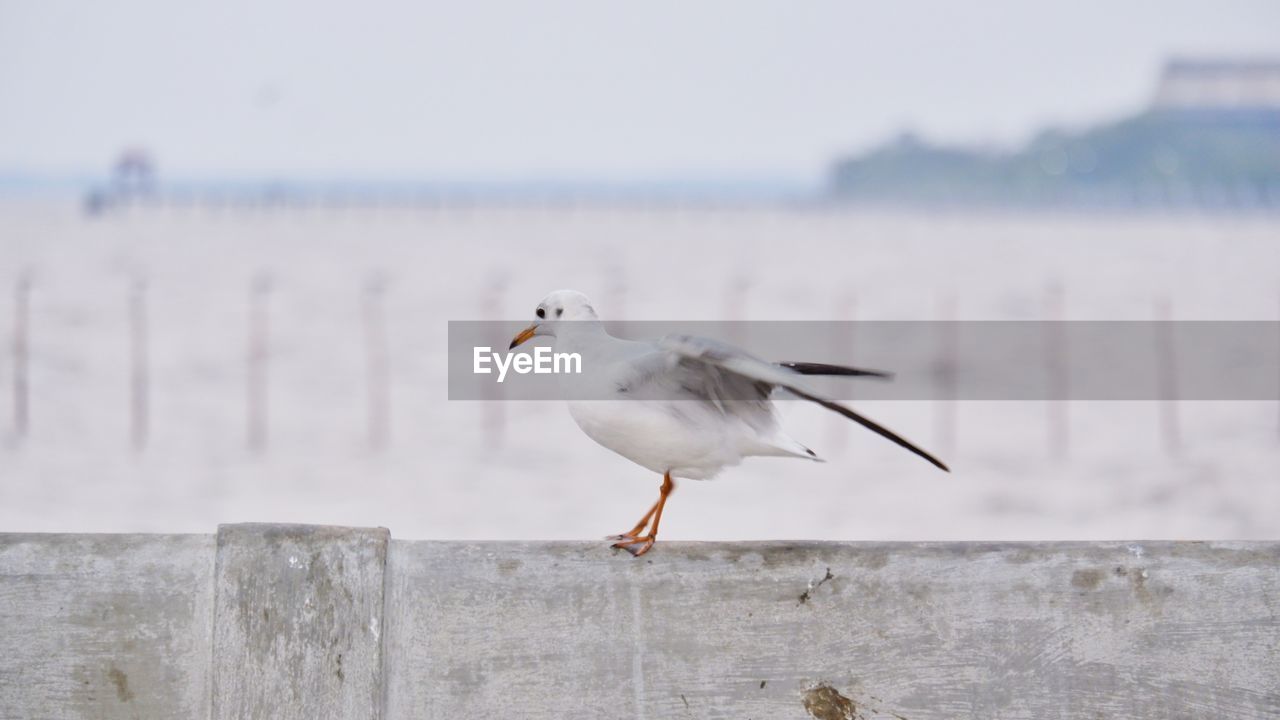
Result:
pixel 777 630
pixel 294 623
pixel 298 622
pixel 105 626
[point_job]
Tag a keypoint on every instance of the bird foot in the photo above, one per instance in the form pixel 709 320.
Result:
pixel 637 546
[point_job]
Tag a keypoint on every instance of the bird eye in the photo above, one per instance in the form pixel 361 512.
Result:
pixel 559 312
pixel 541 313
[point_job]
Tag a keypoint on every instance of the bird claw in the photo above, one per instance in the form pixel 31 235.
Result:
pixel 630 543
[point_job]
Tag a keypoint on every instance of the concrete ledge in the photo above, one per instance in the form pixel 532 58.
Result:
pixel 105 626
pixel 288 621
pixel 298 622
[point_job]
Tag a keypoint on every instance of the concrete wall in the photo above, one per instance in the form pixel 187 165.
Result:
pixel 266 621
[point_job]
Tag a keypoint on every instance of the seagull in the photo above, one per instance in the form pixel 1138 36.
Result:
pixel 683 406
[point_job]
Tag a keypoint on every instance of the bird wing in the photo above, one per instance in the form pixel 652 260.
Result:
pixel 809 368
pixel 662 373
pixel 723 374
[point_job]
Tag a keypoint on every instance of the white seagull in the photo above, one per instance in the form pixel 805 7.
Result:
pixel 682 406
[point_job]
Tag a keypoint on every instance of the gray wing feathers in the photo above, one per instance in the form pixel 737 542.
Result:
pixel 728 357
pixel 680 372
pixel 702 354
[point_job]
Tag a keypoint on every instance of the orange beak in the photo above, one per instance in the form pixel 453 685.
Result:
pixel 524 335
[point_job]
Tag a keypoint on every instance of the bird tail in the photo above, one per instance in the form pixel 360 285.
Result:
pixel 783 445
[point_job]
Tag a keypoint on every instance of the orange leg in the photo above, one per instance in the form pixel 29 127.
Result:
pixel 637 544
pixel 634 532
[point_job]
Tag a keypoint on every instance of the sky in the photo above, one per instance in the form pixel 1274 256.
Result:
pixel 487 90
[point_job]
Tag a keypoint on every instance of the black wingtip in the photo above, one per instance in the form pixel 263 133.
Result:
pixel 874 427
pixel 930 458
pixel 808 368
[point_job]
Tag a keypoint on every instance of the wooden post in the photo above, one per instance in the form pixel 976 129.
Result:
pixel 21 355
pixel 493 411
pixel 1167 377
pixel 259 339
pixel 735 307
pixel 139 381
pixel 842 341
pixel 616 307
pixel 377 363
pixel 1057 363
pixel 947 369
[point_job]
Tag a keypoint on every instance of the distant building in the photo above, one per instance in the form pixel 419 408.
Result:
pixel 133 175
pixel 134 172
pixel 1219 85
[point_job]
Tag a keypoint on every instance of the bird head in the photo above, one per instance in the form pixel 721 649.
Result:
pixel 559 307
